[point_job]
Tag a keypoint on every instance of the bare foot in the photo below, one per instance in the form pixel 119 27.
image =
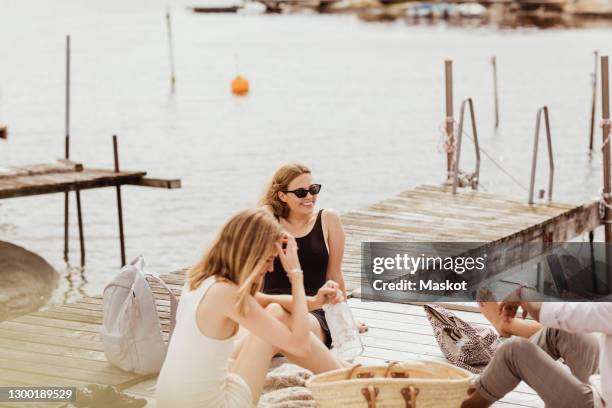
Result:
pixel 475 400
pixel 490 310
pixel 362 327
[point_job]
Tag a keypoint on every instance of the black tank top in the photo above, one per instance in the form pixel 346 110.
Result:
pixel 313 256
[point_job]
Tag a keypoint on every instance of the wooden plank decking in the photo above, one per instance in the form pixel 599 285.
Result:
pixel 433 214
pixel 61 345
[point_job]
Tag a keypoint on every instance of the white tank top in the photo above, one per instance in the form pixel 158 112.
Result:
pixel 194 362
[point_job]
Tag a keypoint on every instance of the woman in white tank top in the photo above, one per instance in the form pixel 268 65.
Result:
pixel 220 295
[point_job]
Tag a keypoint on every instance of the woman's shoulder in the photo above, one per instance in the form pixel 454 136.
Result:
pixel 222 289
pixel 330 215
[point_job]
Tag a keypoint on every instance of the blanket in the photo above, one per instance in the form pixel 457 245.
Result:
pixel 285 387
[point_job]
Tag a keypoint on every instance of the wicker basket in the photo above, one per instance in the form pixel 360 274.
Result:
pixel 418 384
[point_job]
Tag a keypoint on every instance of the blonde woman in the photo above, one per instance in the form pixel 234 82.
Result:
pixel 291 197
pixel 220 295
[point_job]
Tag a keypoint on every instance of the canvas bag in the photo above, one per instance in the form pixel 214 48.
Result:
pixel 466 346
pixel 131 331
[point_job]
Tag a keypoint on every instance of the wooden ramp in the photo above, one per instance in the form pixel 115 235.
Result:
pixel 61 345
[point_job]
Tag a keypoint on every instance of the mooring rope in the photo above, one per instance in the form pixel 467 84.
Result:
pixel 603 205
pixel 603 123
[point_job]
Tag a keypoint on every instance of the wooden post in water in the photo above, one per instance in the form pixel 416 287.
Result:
pixel 67 145
pixel 449 120
pixel 495 96
pixel 119 206
pixel 170 49
pixel 67 156
pixel 605 112
pixel 593 102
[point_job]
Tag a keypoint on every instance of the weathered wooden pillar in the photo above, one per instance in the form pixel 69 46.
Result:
pixel 605 111
pixel 67 148
pixel 119 205
pixel 593 102
pixel 449 120
pixel 495 94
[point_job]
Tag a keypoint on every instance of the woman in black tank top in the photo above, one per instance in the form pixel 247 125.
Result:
pixel 291 197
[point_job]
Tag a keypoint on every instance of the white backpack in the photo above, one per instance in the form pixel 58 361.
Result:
pixel 131 331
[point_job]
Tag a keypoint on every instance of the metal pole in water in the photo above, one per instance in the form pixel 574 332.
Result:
pixel 170 49
pixel 605 111
pixel 450 137
pixel 67 144
pixel 119 206
pixel 495 95
pixel 593 101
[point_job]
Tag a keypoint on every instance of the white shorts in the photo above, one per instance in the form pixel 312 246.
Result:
pixel 233 392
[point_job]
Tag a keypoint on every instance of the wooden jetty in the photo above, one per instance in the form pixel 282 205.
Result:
pixel 22 181
pixel 61 345
pixel 64 176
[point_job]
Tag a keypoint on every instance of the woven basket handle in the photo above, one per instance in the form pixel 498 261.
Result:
pixel 395 374
pixel 410 394
pixel 370 393
pixel 353 373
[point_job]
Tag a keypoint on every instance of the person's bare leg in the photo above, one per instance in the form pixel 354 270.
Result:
pixel 315 327
pixel 253 362
pixel 320 359
pixel 241 337
pixel 505 328
pixel 242 334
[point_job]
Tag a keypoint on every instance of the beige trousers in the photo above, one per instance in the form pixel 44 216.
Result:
pixel 534 361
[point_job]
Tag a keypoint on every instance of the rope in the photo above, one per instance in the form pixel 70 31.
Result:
pixel 604 205
pixel 447 141
pixel 602 123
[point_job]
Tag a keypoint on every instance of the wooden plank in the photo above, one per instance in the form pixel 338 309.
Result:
pixel 66 373
pixel 23 186
pixel 157 183
pixel 66 351
pixel 40 379
pixel 65 324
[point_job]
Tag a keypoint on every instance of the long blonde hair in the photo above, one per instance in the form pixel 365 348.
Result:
pixel 280 182
pixel 238 253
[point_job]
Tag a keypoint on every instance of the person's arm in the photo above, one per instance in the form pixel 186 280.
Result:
pixel 335 240
pixel 295 338
pixel 326 293
pixel 570 317
pixel 578 317
pixel 264 325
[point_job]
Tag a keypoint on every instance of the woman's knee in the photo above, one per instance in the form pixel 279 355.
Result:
pixel 278 311
pixel 515 347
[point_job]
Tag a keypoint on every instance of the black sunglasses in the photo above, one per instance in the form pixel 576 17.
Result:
pixel 302 192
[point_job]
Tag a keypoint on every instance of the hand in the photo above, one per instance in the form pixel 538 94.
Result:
pixel 329 293
pixel 288 256
pixel 509 306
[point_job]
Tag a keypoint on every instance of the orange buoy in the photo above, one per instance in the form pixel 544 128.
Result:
pixel 240 86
